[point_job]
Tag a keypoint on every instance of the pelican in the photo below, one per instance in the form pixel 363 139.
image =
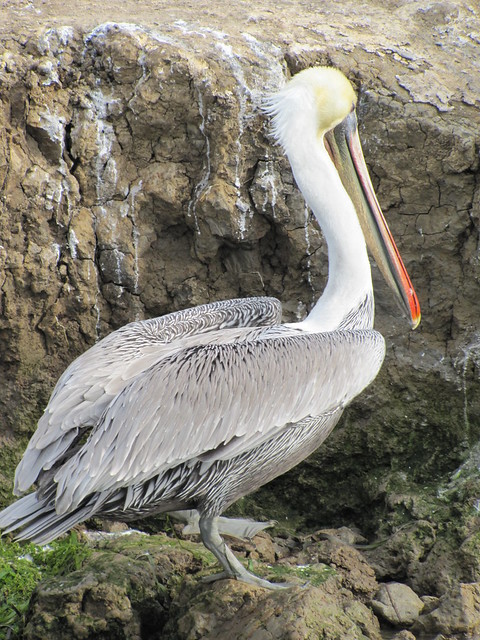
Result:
pixel 200 407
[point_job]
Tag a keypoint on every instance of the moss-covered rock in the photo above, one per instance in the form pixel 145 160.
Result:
pixel 235 610
pixel 431 536
pixel 123 591
pixel 22 566
pixel 150 587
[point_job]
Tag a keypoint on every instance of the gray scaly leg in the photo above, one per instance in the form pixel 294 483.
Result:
pixel 233 568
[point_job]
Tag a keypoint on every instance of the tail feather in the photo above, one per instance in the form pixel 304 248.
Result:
pixel 38 520
pixel 47 529
pixel 25 508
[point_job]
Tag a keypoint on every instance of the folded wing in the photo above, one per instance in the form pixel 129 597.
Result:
pixel 96 377
pixel 217 400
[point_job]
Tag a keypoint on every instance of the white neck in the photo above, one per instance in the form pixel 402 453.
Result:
pixel 349 276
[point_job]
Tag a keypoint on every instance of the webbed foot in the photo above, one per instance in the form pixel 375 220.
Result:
pixel 233 568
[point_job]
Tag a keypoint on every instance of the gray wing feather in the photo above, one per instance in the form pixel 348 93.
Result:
pixel 91 382
pixel 218 400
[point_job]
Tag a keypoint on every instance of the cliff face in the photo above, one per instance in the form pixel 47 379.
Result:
pixel 137 176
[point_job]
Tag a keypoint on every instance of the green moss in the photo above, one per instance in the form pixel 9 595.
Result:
pixel 152 544
pixel 20 571
pixel 313 574
pixel 22 566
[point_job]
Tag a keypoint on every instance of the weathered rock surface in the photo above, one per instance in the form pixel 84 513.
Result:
pixel 457 614
pixel 132 588
pixel 137 177
pixel 405 635
pixel 238 611
pixel 397 604
pixel 120 593
pixel 434 542
pixel 351 568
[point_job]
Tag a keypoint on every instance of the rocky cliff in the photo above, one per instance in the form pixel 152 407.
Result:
pixel 138 176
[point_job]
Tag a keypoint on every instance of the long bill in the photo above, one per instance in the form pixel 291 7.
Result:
pixel 343 145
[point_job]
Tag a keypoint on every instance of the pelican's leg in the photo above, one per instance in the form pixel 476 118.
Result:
pixel 233 568
pixel 236 527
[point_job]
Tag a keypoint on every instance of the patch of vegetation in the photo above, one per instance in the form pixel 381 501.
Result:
pixel 313 574
pixel 154 543
pixel 22 566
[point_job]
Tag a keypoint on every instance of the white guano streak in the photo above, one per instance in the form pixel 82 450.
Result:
pixel 202 184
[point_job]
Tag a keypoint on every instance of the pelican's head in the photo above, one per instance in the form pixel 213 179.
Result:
pixel 315 112
pixel 314 100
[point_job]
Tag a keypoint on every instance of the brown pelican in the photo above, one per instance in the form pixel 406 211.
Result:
pixel 200 407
